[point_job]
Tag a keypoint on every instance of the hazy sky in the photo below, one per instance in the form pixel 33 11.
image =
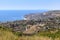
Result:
pixel 29 4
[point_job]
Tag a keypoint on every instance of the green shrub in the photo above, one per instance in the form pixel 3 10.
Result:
pixel 18 33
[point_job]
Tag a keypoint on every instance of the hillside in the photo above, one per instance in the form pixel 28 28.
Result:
pixel 7 34
pixel 43 15
pixel 36 22
pixel 46 24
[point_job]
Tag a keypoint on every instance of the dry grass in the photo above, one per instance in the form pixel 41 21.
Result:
pixel 34 38
pixel 7 35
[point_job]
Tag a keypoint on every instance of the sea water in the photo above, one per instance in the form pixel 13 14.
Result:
pixel 12 15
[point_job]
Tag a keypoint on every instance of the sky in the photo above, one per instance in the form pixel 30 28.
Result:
pixel 29 4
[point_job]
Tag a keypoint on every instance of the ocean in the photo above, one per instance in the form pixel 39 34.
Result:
pixel 13 15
